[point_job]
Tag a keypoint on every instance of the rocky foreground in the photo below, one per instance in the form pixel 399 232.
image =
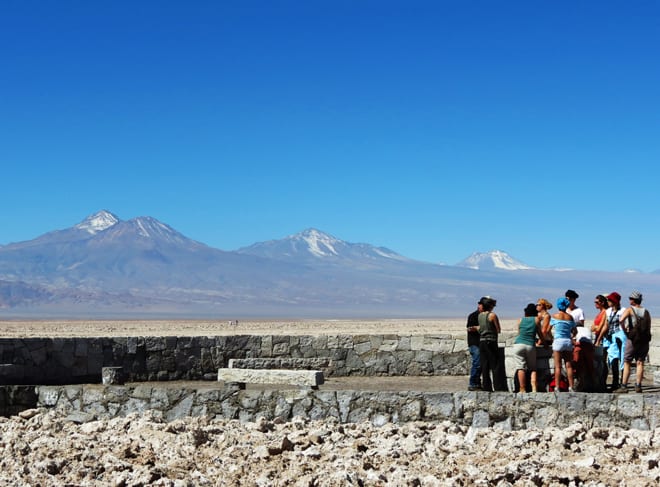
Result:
pixel 44 448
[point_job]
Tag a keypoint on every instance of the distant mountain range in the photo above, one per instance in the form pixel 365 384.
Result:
pixel 108 267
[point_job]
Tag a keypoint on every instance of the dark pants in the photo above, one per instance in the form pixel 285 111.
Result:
pixel 492 362
pixel 475 371
pixel 583 366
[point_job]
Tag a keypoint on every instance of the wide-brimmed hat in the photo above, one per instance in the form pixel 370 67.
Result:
pixel 615 297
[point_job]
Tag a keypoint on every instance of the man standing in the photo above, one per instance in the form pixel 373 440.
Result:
pixel 473 346
pixel 576 312
pixel 583 353
pixel 491 361
pixel 639 338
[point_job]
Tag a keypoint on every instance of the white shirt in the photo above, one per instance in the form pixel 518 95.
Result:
pixel 577 314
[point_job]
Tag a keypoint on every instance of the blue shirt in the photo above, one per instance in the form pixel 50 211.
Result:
pixel 563 328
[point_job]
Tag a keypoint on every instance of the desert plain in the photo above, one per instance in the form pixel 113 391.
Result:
pixel 231 326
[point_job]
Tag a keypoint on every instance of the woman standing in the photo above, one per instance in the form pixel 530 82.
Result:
pixel 524 349
pixel 613 337
pixel 562 345
pixel 600 302
pixel 543 319
pixel 489 329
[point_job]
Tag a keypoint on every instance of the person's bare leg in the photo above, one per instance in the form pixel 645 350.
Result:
pixel 532 379
pixel 640 372
pixel 522 380
pixel 569 369
pixel 556 356
pixel 626 373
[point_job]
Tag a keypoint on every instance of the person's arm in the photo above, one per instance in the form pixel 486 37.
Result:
pixel 473 323
pixel 622 320
pixel 539 333
pixel 604 326
pixel 496 322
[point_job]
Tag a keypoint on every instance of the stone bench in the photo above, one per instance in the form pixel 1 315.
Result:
pixel 241 377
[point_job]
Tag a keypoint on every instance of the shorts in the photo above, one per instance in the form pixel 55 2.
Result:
pixel 562 345
pixel 634 353
pixel 524 357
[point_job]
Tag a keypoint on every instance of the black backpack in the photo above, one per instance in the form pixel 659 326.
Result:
pixel 640 332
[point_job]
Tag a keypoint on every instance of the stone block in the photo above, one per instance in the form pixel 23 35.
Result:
pixel 630 405
pixel 362 347
pixel 112 375
pixel 403 343
pixel 388 346
pixel 281 348
pixel 155 344
pixel 267 346
pixel 48 395
pixel 416 342
pixel 305 378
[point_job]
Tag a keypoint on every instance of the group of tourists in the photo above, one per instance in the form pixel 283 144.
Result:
pixel 624 335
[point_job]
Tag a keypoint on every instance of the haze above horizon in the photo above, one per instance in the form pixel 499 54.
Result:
pixel 434 129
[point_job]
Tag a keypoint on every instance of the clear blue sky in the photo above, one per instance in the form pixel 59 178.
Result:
pixel 434 128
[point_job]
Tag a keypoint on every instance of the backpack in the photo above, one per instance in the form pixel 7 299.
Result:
pixel 640 332
pixel 563 384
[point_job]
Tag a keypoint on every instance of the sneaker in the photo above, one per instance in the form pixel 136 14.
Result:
pixel 474 388
pixel 638 387
pixel 621 390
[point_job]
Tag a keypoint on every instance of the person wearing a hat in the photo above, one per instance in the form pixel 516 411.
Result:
pixel 489 329
pixel 562 345
pixel 474 383
pixel 576 312
pixel 613 337
pixel 524 348
pixel 583 352
pixel 637 322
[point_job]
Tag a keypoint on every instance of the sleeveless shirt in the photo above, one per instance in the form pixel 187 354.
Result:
pixel 487 330
pixel 527 333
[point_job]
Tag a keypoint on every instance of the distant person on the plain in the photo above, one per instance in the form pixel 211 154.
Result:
pixel 543 318
pixel 613 337
pixel 473 346
pixel 524 347
pixel 489 329
pixel 562 345
pixel 637 322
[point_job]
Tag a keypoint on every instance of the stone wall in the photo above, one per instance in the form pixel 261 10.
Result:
pixel 54 361
pixel 80 360
pixel 14 399
pixel 479 409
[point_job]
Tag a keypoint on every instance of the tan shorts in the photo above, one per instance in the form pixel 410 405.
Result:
pixel 524 357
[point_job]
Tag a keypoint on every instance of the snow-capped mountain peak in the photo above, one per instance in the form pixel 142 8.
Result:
pixel 318 243
pixel 312 245
pixel 148 229
pixel 495 259
pixel 97 222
